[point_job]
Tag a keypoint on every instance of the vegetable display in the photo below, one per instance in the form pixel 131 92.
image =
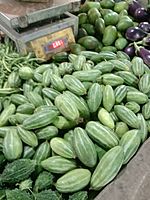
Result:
pixel 80 126
pixel 68 126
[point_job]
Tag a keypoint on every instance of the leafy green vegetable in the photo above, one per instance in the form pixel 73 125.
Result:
pixel 43 181
pixel 82 195
pixel 48 195
pixel 17 194
pixel 26 184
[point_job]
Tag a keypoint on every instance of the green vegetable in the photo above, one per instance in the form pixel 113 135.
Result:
pixel 82 195
pixel 48 195
pixel 43 181
pixel 17 194
pixel 17 170
pixel 110 35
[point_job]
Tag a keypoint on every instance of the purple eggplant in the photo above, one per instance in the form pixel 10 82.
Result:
pixel 130 50
pixel 135 34
pixel 133 6
pixel 145 26
pixel 145 55
pixel 141 15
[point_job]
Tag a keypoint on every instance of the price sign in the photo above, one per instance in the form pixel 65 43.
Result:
pixel 59 43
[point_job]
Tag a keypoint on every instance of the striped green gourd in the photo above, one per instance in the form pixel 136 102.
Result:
pixel 105 55
pixel 58 164
pixel 73 181
pixel 112 79
pixel 137 97
pixel 130 142
pixel 18 170
pixel 18 118
pixel 123 56
pixel 107 168
pixel 133 106
pixel 27 88
pixel 114 116
pixel 132 89
pixel 138 66
pixel 94 97
pixel 105 118
pixel 128 77
pixel 38 77
pixel 26 108
pixel 14 80
pixel 78 62
pixel 74 85
pixel 42 68
pixel 28 137
pixel 42 152
pixel 40 119
pixel 38 90
pixel 50 93
pixel 87 75
pixel 47 133
pixel 121 128
pixel 62 123
pixel 126 116
pixel 108 98
pixel 88 54
pixel 55 70
pixel 80 104
pixel 143 130
pixel 67 107
pixel 84 147
pixel 62 147
pixel 35 99
pixel 120 65
pixel 5 114
pixel 47 77
pixel 86 66
pixel 144 83
pixel 5 129
pixel 26 73
pixel 65 68
pixel 72 57
pixel 104 67
pixel 146 110
pixel 57 83
pixel 102 135
pixel 28 152
pixel 47 101
pixel 18 99
pixel 45 107
pixel 87 84
pixel 12 145
pixel 69 136
pixel 120 93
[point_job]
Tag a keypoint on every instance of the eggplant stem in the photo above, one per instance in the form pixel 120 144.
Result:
pixel 139 42
pixel 137 49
